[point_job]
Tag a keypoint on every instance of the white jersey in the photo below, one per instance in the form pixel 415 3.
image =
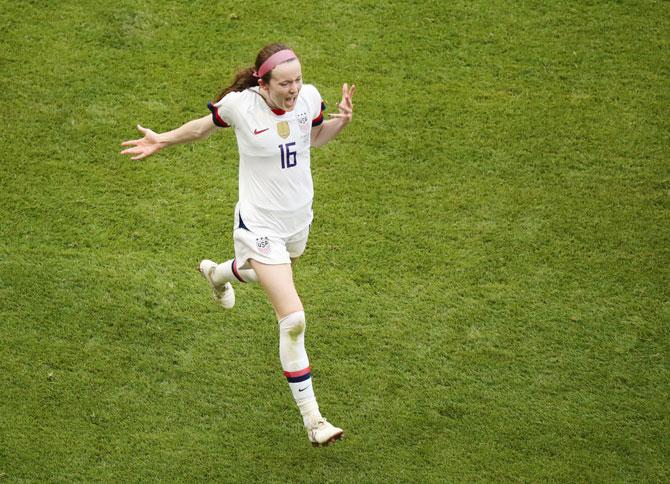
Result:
pixel 275 179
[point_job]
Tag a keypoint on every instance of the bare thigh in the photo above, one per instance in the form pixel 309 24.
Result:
pixel 277 281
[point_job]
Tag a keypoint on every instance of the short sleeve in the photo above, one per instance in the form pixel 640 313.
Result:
pixel 319 119
pixel 223 111
pixel 316 104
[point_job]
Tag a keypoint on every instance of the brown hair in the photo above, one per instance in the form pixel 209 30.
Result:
pixel 244 79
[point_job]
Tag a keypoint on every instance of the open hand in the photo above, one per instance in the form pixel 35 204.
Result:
pixel 143 147
pixel 345 106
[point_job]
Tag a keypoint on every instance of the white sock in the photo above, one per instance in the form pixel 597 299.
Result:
pixel 228 272
pixel 295 364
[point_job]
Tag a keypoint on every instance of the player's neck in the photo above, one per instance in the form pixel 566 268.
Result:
pixel 270 104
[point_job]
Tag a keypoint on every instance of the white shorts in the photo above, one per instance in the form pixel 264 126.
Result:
pixel 266 249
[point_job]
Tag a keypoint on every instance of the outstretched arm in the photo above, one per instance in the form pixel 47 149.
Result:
pixel 152 142
pixel 329 129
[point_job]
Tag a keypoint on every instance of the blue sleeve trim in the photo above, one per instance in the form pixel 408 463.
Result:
pixel 215 116
pixel 319 119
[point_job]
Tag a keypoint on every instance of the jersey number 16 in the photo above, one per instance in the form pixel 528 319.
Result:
pixel 288 158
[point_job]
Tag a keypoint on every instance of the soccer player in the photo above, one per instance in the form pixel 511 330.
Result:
pixel 276 119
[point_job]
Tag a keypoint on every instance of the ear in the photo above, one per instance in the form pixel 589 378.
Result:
pixel 262 84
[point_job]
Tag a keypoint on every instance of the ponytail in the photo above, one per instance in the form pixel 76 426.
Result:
pixel 244 79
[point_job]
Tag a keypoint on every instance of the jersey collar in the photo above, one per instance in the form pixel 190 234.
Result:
pixel 277 111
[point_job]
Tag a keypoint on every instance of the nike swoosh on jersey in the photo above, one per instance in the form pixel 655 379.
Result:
pixel 259 131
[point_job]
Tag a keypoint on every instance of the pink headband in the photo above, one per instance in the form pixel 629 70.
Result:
pixel 274 60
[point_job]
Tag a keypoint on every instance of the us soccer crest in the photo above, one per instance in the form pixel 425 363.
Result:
pixel 263 245
pixel 283 129
pixel 303 122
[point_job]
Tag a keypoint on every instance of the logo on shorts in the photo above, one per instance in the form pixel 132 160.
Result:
pixel 263 244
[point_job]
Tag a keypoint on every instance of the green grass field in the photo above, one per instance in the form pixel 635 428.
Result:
pixel 487 279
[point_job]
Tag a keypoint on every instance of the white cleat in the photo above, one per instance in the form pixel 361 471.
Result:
pixel 224 295
pixel 322 433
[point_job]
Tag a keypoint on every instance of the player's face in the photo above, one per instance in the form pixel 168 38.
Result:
pixel 285 85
